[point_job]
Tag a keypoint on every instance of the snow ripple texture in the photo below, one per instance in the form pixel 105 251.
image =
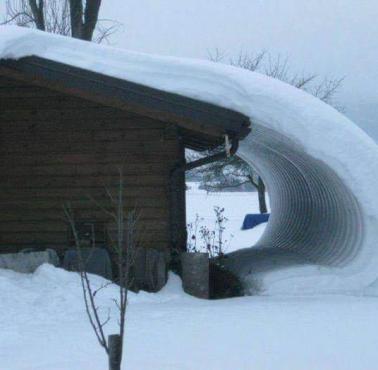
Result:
pixel 321 170
pixel 316 220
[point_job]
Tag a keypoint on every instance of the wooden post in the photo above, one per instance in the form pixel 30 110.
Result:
pixel 178 207
pixel 115 351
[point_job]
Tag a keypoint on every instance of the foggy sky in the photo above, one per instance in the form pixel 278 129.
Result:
pixel 328 37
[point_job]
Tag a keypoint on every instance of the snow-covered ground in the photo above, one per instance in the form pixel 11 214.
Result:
pixel 236 205
pixel 44 327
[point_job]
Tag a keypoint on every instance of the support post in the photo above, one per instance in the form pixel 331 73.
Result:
pixel 195 274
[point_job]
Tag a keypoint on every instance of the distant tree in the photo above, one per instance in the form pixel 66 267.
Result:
pixel 76 18
pixel 233 172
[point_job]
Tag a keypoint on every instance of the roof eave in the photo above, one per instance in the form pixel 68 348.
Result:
pixel 206 123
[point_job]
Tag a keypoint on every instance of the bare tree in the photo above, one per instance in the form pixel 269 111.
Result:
pixel 228 173
pixel 278 66
pixel 76 18
pixel 233 172
pixel 123 247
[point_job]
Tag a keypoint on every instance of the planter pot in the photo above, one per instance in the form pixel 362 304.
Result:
pixel 195 274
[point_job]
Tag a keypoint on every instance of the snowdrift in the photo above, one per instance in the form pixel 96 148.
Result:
pixel 320 169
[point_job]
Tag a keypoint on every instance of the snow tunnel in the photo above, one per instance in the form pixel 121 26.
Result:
pixel 321 235
pixel 315 217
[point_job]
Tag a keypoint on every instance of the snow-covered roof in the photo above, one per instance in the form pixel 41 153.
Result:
pixel 327 145
pixel 97 74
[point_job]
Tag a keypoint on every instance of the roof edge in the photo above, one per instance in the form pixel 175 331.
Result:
pixel 207 123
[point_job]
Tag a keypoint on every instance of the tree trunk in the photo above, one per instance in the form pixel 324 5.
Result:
pixel 261 192
pixel 76 13
pixel 92 10
pixel 83 22
pixel 38 15
pixel 115 352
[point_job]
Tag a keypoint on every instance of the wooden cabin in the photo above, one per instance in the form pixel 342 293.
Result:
pixel 64 134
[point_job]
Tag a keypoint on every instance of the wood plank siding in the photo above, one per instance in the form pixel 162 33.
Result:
pixel 57 148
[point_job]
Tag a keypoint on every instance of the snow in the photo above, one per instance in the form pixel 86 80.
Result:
pixel 320 131
pixel 44 326
pixel 236 205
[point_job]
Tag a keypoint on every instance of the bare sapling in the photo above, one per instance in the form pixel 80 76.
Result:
pixel 123 247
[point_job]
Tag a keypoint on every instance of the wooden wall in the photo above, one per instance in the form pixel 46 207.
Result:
pixel 55 148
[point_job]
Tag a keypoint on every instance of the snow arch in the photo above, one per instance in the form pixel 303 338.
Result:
pixel 313 213
pixel 320 170
pixel 315 220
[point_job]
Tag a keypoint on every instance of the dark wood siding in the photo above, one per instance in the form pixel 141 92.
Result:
pixel 55 148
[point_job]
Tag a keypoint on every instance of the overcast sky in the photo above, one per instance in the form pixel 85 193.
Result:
pixel 329 37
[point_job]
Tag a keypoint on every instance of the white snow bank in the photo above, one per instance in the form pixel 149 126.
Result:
pixel 318 130
pixel 236 205
pixel 44 326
